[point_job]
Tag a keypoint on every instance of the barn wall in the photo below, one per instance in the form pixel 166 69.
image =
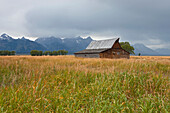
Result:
pixel 116 45
pixel 115 53
pixel 88 55
pixel 106 54
pixel 120 53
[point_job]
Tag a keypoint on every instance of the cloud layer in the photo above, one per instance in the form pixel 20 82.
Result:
pixel 137 21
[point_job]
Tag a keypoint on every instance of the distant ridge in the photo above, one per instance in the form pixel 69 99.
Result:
pixel 163 51
pixel 21 46
pixel 24 46
pixel 70 44
pixel 145 51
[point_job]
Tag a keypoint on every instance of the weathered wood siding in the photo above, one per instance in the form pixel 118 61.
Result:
pixel 88 55
pixel 115 52
pixel 116 45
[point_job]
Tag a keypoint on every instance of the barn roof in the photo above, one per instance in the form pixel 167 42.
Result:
pixel 102 44
pixel 91 51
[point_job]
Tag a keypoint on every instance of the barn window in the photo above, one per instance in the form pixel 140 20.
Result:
pixel 113 53
pixel 118 53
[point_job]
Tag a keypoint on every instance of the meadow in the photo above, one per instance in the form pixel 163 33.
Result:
pixel 69 84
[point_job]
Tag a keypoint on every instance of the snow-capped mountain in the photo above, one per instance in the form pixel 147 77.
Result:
pixel 70 44
pixel 5 37
pixel 21 46
pixel 24 46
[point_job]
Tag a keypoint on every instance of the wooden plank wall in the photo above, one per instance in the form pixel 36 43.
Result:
pixel 115 52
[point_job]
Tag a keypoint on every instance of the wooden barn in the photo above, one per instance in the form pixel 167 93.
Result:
pixel 104 49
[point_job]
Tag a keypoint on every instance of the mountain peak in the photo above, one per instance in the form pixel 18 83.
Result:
pixel 89 38
pixel 141 48
pixel 6 37
pixel 23 38
pixel 79 37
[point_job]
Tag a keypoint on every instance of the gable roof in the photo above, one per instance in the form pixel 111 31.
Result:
pixel 91 51
pixel 102 44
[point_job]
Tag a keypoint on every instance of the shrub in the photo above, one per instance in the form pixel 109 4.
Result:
pixel 6 52
pixel 40 53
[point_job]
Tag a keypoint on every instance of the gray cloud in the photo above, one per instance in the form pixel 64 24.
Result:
pixel 137 21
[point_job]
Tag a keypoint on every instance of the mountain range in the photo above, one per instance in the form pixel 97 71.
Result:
pixel 70 44
pixel 24 46
pixel 74 44
pixel 145 51
pixel 21 46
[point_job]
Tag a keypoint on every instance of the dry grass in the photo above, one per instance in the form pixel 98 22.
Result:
pixel 69 84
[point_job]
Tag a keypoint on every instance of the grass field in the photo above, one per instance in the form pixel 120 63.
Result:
pixel 69 84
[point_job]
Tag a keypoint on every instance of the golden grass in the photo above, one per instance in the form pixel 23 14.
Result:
pixel 149 63
pixel 69 84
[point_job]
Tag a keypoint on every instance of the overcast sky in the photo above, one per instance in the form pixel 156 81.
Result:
pixel 136 21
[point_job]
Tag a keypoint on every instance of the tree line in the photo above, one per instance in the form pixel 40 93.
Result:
pixel 7 53
pixel 50 53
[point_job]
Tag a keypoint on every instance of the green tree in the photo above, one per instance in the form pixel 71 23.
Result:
pixel 62 52
pixel 13 52
pixel 50 53
pixel 2 53
pixel 65 52
pixel 34 53
pixel 40 53
pixel 55 53
pixel 9 53
pixel 6 52
pixel 126 46
pixel 46 53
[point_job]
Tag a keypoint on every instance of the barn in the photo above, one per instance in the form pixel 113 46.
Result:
pixel 109 48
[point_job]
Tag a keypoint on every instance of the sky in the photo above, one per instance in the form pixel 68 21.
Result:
pixel 136 21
